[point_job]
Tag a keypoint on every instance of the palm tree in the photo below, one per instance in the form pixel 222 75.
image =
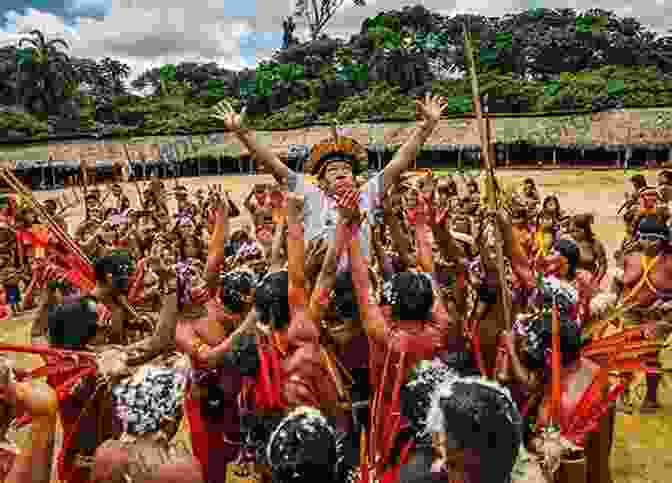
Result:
pixel 116 71
pixel 48 72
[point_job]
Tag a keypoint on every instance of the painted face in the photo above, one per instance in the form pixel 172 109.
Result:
pixel 338 176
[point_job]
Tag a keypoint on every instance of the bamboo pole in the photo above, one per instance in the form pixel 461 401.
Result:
pixel 491 184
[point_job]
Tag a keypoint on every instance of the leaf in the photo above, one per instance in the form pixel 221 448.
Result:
pixel 247 87
pixel 552 88
pixel 460 104
pixel 615 87
pixel 488 56
pixel 360 72
pixel 504 40
pixel 168 72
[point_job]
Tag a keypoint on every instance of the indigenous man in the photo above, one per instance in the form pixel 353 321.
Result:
pixel 333 163
pixel 531 195
pixel 184 206
pixel 73 326
pixel 665 185
pixel 647 282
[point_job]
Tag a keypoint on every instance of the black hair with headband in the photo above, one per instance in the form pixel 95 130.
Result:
pixel 410 294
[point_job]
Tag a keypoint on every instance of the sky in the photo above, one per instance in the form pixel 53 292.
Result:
pixel 233 33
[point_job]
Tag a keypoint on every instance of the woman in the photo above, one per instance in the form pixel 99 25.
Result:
pixel 548 227
pixel 592 263
pixel 33 463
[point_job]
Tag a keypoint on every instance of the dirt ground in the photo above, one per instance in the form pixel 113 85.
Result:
pixel 641 452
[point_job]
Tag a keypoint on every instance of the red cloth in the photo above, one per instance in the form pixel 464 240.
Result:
pixel 208 440
pixel 69 413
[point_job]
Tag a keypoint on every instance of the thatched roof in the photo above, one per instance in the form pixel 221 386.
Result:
pixel 610 130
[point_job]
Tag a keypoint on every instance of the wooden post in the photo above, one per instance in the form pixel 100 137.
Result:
pixel 491 187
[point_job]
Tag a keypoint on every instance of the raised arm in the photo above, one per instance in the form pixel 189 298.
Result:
pixel 296 247
pixel 431 110
pixel 216 246
pixel 234 122
pixel 249 206
pixel 424 238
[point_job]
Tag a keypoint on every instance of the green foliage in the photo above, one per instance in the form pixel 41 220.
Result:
pixel 20 121
pixel 381 98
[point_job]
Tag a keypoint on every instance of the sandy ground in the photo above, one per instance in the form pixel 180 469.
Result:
pixel 641 452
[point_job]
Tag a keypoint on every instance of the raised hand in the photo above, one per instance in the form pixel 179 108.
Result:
pixel 432 108
pixel 348 206
pixel 295 205
pixel 232 120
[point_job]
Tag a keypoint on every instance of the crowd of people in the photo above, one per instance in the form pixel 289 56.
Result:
pixel 401 328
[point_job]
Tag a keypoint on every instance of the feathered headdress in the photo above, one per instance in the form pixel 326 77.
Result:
pixel 340 148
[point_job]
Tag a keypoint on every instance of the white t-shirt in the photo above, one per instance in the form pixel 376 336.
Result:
pixel 321 215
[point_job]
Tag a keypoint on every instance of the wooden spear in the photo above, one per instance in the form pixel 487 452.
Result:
pixel 490 181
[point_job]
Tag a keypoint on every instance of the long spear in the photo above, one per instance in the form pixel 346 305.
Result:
pixel 491 185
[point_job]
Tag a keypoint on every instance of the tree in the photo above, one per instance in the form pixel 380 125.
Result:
pixel 318 12
pixel 116 72
pixel 47 74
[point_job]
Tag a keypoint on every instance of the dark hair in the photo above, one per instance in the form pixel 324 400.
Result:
pixel 72 325
pixel 271 300
pixel 639 181
pixel 557 204
pixel 416 396
pixel 410 294
pixel 244 355
pixel 345 299
pixel 235 285
pixel 529 181
pixel 568 249
pixel 118 265
pixel 304 450
pixel 540 339
pixel 483 420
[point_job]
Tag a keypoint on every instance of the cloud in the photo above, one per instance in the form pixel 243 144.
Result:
pixel 89 8
pixel 232 33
